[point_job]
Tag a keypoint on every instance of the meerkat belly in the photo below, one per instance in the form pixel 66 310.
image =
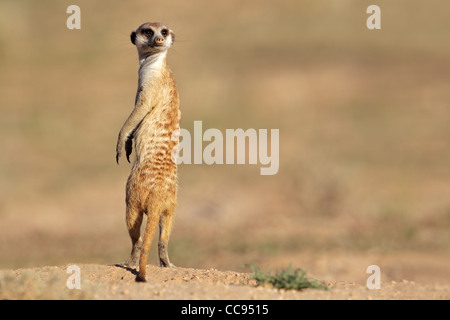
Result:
pixel 153 168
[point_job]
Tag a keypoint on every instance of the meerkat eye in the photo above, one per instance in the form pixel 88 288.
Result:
pixel 164 32
pixel 148 32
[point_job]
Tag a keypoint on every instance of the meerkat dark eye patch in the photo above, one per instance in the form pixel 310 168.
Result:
pixel 147 32
pixel 164 32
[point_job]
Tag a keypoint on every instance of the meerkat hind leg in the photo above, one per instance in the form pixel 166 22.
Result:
pixel 134 221
pixel 132 261
pixel 165 227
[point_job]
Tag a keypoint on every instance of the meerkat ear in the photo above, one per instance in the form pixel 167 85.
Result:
pixel 173 36
pixel 133 37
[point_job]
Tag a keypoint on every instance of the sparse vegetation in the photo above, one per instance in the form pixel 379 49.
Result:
pixel 289 279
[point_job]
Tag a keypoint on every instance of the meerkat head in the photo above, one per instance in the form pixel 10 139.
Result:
pixel 151 38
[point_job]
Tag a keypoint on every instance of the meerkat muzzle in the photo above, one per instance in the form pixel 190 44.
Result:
pixel 159 41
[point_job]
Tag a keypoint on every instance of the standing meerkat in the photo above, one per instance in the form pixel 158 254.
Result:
pixel 152 185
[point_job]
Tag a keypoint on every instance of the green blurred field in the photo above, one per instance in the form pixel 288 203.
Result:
pixel 364 119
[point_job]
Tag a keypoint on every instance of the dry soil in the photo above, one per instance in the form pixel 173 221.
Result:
pixel 112 282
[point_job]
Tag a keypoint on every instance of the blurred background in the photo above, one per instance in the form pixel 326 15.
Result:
pixel 364 120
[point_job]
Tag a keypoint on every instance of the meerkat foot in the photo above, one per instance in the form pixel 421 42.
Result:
pixel 133 260
pixel 164 257
pixel 166 264
pixel 128 263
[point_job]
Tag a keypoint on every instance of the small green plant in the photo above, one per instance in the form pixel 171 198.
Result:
pixel 288 279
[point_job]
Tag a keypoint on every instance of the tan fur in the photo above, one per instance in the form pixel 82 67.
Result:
pixel 152 185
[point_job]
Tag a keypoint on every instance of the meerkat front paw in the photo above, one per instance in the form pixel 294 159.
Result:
pixel 128 147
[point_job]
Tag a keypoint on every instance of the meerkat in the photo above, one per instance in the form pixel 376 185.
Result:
pixel 151 188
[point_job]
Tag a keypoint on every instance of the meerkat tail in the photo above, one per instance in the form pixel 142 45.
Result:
pixel 153 215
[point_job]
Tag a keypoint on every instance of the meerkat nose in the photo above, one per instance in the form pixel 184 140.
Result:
pixel 159 40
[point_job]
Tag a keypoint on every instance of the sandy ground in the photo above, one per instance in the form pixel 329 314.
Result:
pixel 111 282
